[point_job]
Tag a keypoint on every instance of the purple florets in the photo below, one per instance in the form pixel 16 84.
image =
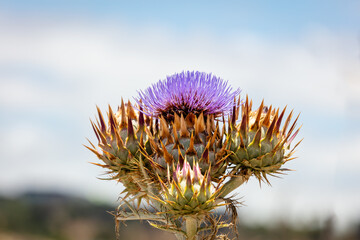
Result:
pixel 188 92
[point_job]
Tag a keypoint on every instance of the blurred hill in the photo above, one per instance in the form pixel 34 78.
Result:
pixel 54 216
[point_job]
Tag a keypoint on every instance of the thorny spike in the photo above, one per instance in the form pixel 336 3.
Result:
pixel 101 135
pixel 277 146
pixel 212 121
pixel 269 132
pixel 273 111
pixel 163 186
pixel 238 108
pixel 293 125
pixel 168 157
pixel 185 167
pixel 287 122
pixel 188 190
pixel 296 145
pixel 154 145
pixel 203 185
pixel 94 151
pixel 123 123
pixel 93 127
pixel 130 129
pixel 177 121
pixel 156 126
pixel 243 126
pixel 256 125
pixel 257 137
pixel 217 127
pixel 266 121
pixel 176 184
pixel 219 143
pixel 213 138
pixel 200 123
pixel 293 136
pixel 168 172
pixel 277 112
pixel 195 170
pixel 223 133
pixel 208 178
pixel 190 120
pixel 119 141
pixel 287 136
pixel 112 121
pixel 176 138
pixel 208 125
pixel 243 109
pixel 164 130
pixel 225 145
pixel 131 111
pixel 151 160
pixel 233 113
pixel 183 129
pixel 191 150
pixel 196 127
pixel 150 124
pixel 247 111
pixel 197 130
pixel 148 121
pixel 92 145
pixel 141 118
pixel 101 119
pixel 141 140
pixel 242 144
pixel 181 158
pixel 278 123
pixel 229 124
pixel 205 155
pixel 264 177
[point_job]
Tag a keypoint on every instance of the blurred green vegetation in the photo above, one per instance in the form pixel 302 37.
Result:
pixel 45 216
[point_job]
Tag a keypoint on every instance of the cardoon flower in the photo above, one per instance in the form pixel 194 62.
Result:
pixel 190 121
pixel 188 92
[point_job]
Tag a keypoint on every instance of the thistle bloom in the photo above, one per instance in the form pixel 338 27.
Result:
pixel 176 123
pixel 188 92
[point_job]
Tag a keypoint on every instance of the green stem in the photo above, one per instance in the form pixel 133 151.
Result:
pixel 191 228
pixel 231 185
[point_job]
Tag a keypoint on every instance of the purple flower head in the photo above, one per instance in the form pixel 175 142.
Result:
pixel 188 92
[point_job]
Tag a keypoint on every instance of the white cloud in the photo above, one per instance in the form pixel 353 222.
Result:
pixel 18 91
pixel 314 72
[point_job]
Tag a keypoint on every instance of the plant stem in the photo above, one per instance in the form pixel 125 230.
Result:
pixel 231 185
pixel 191 228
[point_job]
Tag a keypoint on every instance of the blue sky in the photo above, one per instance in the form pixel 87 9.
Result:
pixel 271 19
pixel 60 59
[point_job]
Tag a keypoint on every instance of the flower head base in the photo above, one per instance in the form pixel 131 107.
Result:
pixel 260 146
pixel 189 192
pixel 188 92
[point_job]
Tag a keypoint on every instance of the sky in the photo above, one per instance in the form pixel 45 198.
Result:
pixel 59 59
